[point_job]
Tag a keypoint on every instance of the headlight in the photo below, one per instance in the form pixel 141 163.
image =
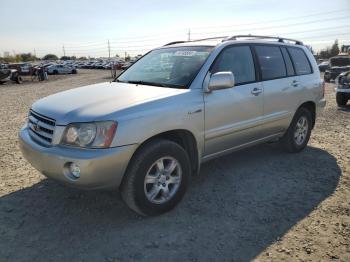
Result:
pixel 91 135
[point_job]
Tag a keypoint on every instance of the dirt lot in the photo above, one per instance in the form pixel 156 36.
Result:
pixel 259 204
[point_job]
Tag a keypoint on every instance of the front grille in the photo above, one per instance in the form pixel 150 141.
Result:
pixel 41 128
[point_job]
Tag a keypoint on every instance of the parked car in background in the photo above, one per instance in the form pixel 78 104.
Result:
pixel 343 89
pixel 337 65
pixel 61 69
pixel 126 65
pixel 148 131
pixel 23 69
pixel 9 75
pixel 323 66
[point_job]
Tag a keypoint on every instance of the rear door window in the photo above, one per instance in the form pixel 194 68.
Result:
pixel 238 60
pixel 271 62
pixel 301 63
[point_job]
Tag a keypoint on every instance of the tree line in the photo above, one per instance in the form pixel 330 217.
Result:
pixel 329 51
pixel 325 53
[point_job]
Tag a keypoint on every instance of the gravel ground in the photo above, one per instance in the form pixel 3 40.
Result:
pixel 259 204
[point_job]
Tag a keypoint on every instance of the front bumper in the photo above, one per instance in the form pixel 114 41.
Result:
pixel 99 168
pixel 342 90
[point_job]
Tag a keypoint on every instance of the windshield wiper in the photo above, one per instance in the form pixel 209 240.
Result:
pixel 137 82
pixel 146 83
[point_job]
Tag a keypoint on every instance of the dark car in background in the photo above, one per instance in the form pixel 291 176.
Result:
pixel 337 65
pixel 343 89
pixel 23 69
pixel 323 66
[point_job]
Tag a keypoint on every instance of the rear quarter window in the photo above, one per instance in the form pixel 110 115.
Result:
pixel 301 62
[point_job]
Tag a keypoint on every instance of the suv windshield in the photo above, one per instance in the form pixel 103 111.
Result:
pixel 168 67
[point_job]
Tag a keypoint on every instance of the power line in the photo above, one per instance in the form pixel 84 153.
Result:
pixel 277 20
pixel 277 26
pixel 156 36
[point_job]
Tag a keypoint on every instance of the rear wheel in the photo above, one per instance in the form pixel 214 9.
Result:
pixel 341 99
pixel 157 178
pixel 299 131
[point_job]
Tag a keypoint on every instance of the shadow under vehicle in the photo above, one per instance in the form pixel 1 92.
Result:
pixel 237 207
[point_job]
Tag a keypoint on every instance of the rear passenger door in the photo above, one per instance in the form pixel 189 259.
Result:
pixel 281 87
pixel 232 115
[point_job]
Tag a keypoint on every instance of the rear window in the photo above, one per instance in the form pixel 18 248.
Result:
pixel 301 63
pixel 271 62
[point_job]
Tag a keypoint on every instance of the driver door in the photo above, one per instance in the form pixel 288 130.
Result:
pixel 232 115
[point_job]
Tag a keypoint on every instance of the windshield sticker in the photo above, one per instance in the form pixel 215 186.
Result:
pixel 185 53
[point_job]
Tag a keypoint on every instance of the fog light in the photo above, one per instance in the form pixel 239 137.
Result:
pixel 75 170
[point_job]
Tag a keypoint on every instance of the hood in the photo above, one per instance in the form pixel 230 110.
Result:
pixel 94 102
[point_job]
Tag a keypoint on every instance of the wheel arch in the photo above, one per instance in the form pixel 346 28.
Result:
pixel 311 106
pixel 182 137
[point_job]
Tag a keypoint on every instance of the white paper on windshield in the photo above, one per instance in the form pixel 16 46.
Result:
pixel 185 53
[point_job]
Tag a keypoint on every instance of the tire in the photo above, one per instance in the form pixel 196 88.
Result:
pixel 74 71
pixel 295 143
pixel 136 192
pixel 341 99
pixel 55 72
pixel 19 80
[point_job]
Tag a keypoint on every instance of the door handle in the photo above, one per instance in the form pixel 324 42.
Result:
pixel 256 91
pixel 295 83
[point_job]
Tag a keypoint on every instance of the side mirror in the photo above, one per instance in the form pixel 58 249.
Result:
pixel 221 80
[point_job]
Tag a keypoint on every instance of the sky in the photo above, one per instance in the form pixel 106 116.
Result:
pixel 83 28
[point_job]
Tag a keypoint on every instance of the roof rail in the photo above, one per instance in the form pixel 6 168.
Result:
pixel 279 39
pixel 175 42
pixel 196 40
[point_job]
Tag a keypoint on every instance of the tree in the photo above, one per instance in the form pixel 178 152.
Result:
pixel 82 58
pixel 27 57
pixel 50 57
pixel 68 58
pixel 329 51
pixel 335 48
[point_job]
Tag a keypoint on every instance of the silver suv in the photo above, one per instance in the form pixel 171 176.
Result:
pixel 179 105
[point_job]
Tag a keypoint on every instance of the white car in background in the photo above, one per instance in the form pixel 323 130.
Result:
pixel 61 69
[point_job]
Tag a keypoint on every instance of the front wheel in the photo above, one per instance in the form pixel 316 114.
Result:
pixel 299 131
pixel 19 80
pixel 157 178
pixel 341 99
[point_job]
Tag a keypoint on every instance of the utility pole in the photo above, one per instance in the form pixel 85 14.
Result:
pixel 64 50
pixel 34 52
pixel 189 34
pixel 109 51
pixel 125 56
